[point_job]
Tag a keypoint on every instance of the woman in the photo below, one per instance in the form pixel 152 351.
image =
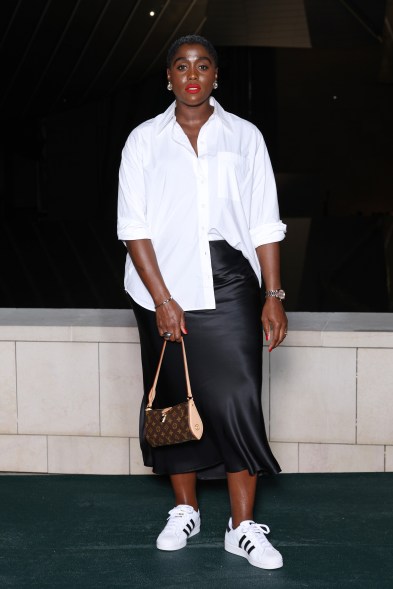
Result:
pixel 198 212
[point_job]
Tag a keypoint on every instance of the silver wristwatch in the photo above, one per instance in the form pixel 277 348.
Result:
pixel 279 293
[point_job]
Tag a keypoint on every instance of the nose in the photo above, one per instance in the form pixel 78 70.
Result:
pixel 192 73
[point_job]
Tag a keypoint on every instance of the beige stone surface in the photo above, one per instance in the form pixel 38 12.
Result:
pixel 23 453
pixel 76 375
pixel 105 334
pixel 121 389
pixel 358 322
pixel 136 460
pixel 375 396
pixel 302 338
pixel 266 389
pixel 340 458
pixel 88 455
pixel 287 455
pixel 389 459
pixel 357 339
pixel 313 395
pixel 35 333
pixel 8 416
pixel 57 388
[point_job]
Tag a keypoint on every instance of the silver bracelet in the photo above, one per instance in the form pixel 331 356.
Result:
pixel 164 302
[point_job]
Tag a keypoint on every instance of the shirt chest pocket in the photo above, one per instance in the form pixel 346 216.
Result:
pixel 231 175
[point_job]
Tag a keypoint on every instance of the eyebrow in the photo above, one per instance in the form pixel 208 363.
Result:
pixel 198 59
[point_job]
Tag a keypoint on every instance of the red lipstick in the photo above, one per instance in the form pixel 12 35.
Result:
pixel 193 88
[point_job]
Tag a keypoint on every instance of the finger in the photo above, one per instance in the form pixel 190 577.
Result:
pixel 266 328
pixel 283 331
pixel 279 334
pixel 274 338
pixel 167 335
pixel 175 332
pixel 183 327
pixel 175 329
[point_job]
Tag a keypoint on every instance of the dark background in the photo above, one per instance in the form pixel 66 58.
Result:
pixel 77 76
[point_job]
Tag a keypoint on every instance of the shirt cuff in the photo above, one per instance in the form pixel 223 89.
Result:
pixel 268 233
pixel 133 233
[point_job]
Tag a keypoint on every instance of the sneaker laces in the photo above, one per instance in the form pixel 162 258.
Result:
pixel 258 532
pixel 176 515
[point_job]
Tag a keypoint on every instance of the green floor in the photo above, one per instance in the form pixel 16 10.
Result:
pixel 334 531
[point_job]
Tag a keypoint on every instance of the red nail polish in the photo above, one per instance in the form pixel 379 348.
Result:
pixel 185 331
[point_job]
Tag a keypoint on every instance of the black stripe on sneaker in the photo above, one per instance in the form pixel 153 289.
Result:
pixel 188 529
pixel 228 529
pixel 241 541
pixel 246 545
pixel 251 549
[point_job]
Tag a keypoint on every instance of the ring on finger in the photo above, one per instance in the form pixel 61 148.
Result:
pixel 167 335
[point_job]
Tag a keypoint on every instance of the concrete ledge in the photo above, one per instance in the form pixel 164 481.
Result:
pixel 71 385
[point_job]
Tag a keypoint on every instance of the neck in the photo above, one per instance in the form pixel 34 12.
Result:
pixel 193 114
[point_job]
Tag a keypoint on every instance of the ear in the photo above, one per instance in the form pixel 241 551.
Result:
pixel 168 73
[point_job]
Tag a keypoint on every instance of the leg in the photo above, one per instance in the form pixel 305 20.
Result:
pixel 184 489
pixel 184 520
pixel 249 539
pixel 242 488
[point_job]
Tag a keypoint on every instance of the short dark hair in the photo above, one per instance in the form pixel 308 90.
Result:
pixel 191 40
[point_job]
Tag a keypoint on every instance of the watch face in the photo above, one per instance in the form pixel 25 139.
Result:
pixel 281 294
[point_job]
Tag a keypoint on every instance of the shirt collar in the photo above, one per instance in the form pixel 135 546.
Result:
pixel 219 112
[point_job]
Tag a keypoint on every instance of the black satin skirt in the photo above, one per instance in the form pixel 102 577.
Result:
pixel 224 353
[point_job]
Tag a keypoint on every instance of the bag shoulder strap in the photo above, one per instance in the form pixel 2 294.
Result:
pixel 152 393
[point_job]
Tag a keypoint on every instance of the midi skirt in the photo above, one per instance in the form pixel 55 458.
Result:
pixel 224 354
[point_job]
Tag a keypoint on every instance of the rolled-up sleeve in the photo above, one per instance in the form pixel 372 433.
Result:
pixel 265 223
pixel 131 207
pixel 268 233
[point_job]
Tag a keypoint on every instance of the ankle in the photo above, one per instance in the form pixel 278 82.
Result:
pixel 193 504
pixel 237 521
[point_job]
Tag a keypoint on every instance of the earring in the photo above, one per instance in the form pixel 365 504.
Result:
pixel 215 85
pixel 169 87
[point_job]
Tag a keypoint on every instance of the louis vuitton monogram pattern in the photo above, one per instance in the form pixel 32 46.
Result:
pixel 169 426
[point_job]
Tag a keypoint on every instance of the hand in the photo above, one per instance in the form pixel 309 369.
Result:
pixel 274 322
pixel 170 318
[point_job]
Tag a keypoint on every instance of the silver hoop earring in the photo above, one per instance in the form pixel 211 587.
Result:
pixel 169 87
pixel 215 85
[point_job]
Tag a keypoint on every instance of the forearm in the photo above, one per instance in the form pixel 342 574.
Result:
pixel 144 259
pixel 274 320
pixel 269 260
pixel 170 318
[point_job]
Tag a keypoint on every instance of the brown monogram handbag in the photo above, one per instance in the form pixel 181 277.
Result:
pixel 172 425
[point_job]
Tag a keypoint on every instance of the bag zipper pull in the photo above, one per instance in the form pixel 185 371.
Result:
pixel 164 413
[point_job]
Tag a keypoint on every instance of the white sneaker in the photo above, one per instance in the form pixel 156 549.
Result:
pixel 249 540
pixel 183 522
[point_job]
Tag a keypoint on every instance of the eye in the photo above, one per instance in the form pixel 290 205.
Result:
pixel 203 67
pixel 181 67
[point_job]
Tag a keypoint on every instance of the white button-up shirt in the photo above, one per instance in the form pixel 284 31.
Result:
pixel 181 200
